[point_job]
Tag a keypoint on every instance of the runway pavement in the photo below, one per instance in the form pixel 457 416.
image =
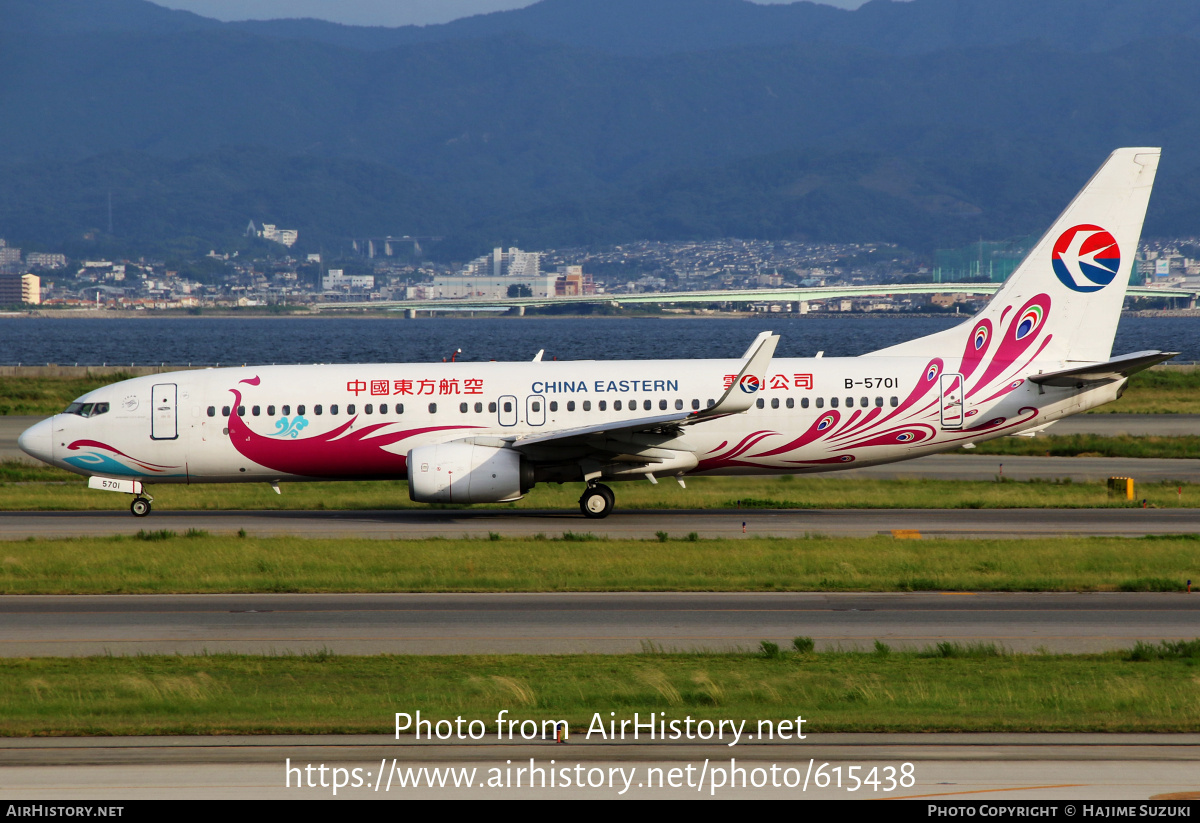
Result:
pixel 572 623
pixel 993 768
pixel 407 524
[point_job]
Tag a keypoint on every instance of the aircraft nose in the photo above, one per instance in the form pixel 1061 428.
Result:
pixel 38 441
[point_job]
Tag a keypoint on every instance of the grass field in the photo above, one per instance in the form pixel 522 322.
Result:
pixel 1092 445
pixel 24 487
pixel 162 562
pixel 944 689
pixel 1160 390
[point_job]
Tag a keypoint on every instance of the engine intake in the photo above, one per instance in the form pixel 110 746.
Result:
pixel 466 473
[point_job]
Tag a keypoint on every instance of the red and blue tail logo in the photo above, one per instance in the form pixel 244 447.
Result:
pixel 1086 258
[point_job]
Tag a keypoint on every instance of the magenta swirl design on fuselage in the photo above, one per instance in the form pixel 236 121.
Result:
pixel 822 426
pixel 1019 335
pixel 933 370
pixel 336 453
pixel 907 434
pixel 728 458
pixel 977 348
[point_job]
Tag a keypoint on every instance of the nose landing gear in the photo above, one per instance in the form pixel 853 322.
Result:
pixel 140 507
pixel 597 501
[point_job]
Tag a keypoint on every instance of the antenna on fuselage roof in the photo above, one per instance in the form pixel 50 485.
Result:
pixel 537 358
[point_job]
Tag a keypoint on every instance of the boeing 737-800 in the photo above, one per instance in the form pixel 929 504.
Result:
pixel 488 432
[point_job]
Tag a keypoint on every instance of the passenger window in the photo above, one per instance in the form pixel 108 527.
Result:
pixel 333 409
pixel 762 404
pixel 478 408
pixel 774 402
pixel 895 402
pixel 879 402
pixel 350 409
pixel 864 401
pixel 287 410
pixel 616 405
pixel 804 402
pixel 383 408
pixel 224 411
pixel 647 405
pixel 367 409
pixel 711 402
pixel 587 405
pixel 255 410
pixel 820 402
pixel 553 405
pixel 241 411
pixel 212 411
pixel 270 411
pixel 695 404
pixel 603 404
pixel 300 410
pixel 570 405
pixel 399 408
pixel 791 402
pixel 462 407
pixel 849 402
pixel 492 408
pixel 678 405
pixel 317 409
pixel 433 408
pixel 833 402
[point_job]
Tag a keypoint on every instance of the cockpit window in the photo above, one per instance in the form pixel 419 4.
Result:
pixel 86 409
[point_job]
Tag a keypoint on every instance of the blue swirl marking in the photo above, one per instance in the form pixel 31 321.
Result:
pixel 291 430
pixel 101 464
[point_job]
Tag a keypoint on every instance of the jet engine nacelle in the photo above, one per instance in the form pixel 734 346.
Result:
pixel 466 473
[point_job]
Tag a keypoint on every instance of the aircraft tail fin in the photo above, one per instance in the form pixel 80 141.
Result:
pixel 1064 300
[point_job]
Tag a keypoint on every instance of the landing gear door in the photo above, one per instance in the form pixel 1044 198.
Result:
pixel 164 422
pixel 507 410
pixel 952 401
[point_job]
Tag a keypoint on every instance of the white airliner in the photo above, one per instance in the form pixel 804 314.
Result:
pixel 488 432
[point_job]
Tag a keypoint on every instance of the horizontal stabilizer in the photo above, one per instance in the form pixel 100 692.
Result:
pixel 1115 369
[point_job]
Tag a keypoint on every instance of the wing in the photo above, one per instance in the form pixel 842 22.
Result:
pixel 735 400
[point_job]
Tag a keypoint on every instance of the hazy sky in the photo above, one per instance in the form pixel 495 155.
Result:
pixel 369 12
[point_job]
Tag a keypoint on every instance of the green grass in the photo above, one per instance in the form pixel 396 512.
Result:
pixel 163 562
pixel 1092 445
pixel 1161 390
pixel 47 395
pixel 24 487
pixel 960 691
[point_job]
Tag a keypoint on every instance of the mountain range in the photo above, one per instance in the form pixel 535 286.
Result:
pixel 927 123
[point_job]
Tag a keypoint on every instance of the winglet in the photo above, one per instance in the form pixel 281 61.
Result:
pixel 756 361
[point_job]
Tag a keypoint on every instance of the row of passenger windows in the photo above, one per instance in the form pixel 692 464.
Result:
pixel 865 402
pixel 536 406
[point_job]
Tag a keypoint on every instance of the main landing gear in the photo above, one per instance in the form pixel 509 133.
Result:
pixel 598 501
pixel 140 507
